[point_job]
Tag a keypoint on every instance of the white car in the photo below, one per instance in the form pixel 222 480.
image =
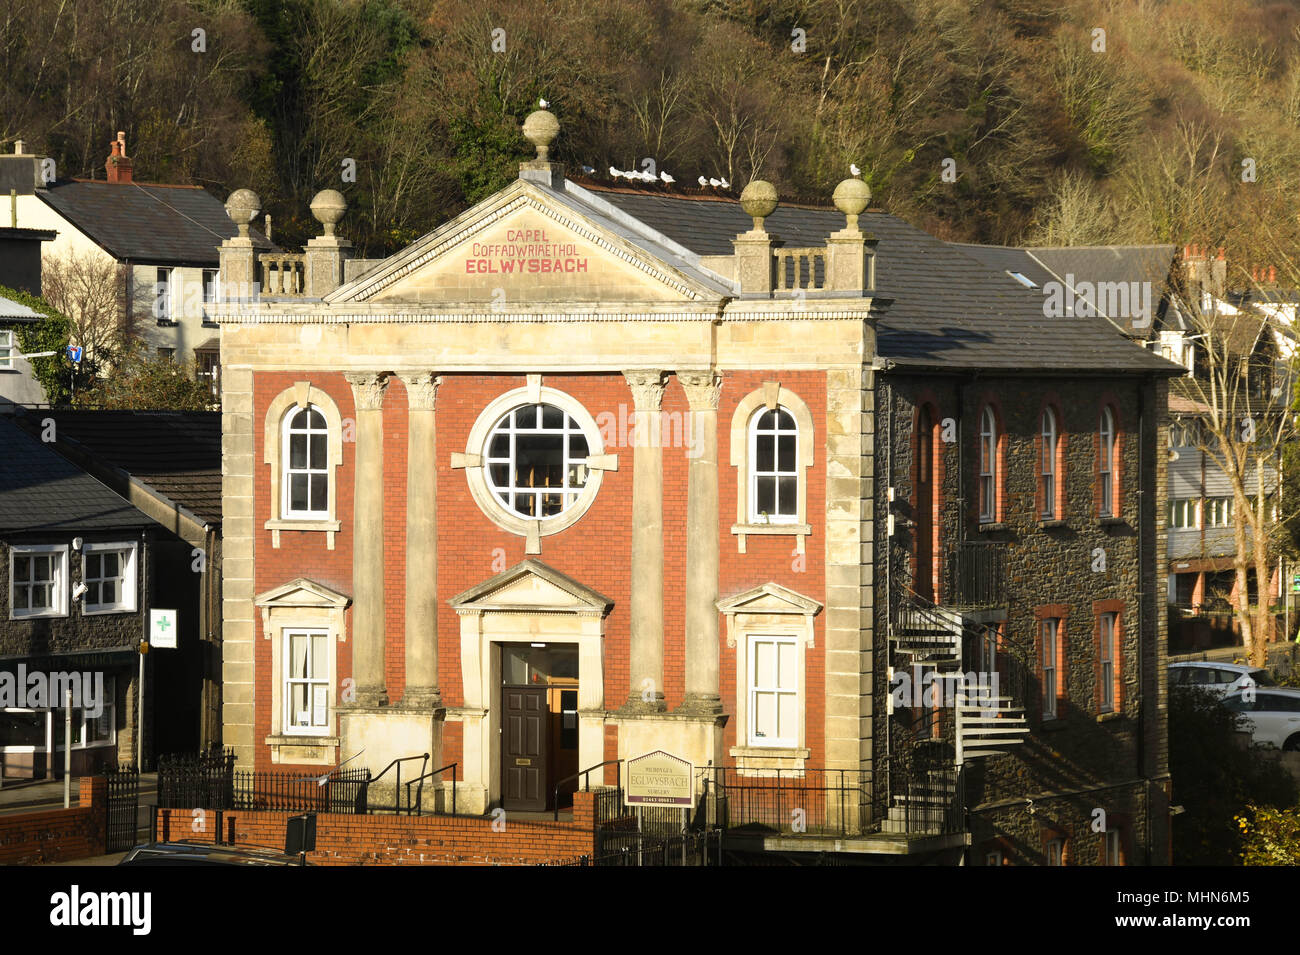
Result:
pixel 1273 715
pixel 1219 678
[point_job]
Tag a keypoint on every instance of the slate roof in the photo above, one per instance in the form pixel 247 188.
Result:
pixel 950 309
pixel 176 453
pixel 168 225
pixel 42 490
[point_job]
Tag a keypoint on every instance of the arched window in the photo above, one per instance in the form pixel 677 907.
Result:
pixel 988 465
pixel 306 464
pixel 1048 465
pixel 302 445
pixel 773 467
pixel 1106 464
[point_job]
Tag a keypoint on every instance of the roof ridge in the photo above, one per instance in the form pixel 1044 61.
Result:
pixel 157 185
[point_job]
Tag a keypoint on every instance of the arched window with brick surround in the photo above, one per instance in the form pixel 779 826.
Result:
pixel 1049 466
pixel 989 474
pixel 1107 470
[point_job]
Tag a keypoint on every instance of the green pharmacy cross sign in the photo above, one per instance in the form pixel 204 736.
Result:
pixel 162 628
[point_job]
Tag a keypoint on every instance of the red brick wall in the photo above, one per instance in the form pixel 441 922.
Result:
pixel 57 835
pixel 403 840
pixel 596 550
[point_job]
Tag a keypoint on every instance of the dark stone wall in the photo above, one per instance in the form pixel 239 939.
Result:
pixel 1100 757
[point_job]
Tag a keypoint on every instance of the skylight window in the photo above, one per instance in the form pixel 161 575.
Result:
pixel 1026 282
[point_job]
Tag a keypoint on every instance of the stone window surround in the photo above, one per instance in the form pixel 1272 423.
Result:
pixel 771 396
pixel 475 454
pixel 768 610
pixel 990 404
pixel 302 605
pixel 59 595
pixel 1059 464
pixel 301 394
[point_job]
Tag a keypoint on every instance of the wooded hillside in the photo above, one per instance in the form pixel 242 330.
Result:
pixel 1057 133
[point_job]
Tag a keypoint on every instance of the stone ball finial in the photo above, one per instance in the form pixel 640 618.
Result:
pixel 328 207
pixel 758 200
pixel 242 206
pixel 851 197
pixel 540 128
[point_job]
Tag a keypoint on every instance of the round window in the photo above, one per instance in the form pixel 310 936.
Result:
pixel 537 461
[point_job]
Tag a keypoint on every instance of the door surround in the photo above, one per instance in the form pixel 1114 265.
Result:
pixel 528 603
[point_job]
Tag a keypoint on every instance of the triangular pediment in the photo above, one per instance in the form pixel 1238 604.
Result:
pixel 770 598
pixel 528 247
pixel 531 585
pixel 302 593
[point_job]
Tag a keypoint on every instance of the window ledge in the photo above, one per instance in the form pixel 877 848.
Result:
pixel 1107 717
pixel 1113 521
pixel 102 611
pixel 752 759
pixel 36 616
pixel 1052 524
pixel 792 529
pixel 275 525
pixel 326 747
pixel 989 527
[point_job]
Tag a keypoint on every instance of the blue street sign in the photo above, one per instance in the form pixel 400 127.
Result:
pixel 74 352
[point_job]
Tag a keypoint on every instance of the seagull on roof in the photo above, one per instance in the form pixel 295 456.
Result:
pixel 725 184
pixel 668 180
pixel 854 170
pixel 614 173
pixel 542 103
pixel 703 181
pixel 715 183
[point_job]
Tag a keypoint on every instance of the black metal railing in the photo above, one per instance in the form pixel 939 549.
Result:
pixel 121 821
pixel 396 764
pixel 975 574
pixel 210 781
pixel 585 776
pixel 925 793
pixel 419 793
pixel 803 801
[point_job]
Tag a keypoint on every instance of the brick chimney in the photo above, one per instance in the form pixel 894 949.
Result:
pixel 118 165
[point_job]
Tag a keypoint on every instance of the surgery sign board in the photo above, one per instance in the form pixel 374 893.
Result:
pixel 660 779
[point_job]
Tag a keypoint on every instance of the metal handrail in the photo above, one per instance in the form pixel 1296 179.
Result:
pixel 397 789
pixel 420 793
pixel 586 783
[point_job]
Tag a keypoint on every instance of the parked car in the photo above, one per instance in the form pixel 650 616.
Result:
pixel 1219 678
pixel 205 853
pixel 1273 715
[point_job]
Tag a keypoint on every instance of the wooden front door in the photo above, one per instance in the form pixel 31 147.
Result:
pixel 525 722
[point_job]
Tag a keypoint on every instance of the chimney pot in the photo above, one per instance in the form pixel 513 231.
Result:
pixel 1272 274
pixel 18 147
pixel 118 165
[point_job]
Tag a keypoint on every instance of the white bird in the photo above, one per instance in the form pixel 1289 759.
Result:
pixel 703 181
pixel 542 103
pixel 725 184
pixel 668 180
pixel 647 177
pixel 715 183
pixel 614 173
pixel 854 170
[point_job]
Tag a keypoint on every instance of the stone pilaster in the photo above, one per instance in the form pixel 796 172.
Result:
pixel 421 543
pixel 647 625
pixel 703 697
pixel 368 630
